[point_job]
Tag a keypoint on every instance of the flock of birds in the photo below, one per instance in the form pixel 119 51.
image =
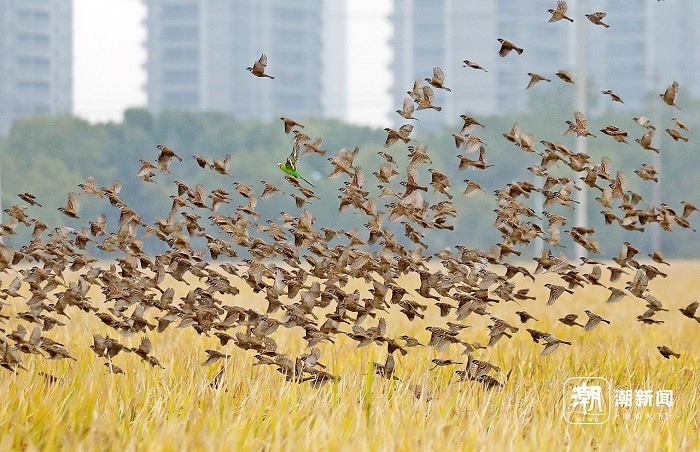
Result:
pixel 302 270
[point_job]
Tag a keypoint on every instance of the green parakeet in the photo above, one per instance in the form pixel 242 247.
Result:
pixel 290 166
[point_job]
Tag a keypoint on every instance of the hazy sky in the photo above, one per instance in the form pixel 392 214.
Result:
pixel 369 57
pixel 109 56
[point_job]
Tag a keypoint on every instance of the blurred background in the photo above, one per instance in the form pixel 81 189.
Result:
pixel 89 87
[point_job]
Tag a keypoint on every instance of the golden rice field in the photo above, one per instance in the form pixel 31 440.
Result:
pixel 256 409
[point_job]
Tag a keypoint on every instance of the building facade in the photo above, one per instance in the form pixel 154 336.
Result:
pixel 198 52
pixel 35 59
pixel 648 45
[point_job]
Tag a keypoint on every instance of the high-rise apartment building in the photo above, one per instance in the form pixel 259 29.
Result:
pixel 198 52
pixel 648 45
pixel 677 46
pixel 443 33
pixel 35 59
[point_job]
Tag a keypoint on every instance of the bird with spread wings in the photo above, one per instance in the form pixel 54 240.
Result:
pixel 290 166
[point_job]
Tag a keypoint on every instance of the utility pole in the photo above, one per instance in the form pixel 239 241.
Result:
pixel 581 217
pixel 655 229
pixel 2 240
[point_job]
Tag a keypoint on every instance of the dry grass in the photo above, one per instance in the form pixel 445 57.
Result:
pixel 255 409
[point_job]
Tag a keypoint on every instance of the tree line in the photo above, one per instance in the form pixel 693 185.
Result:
pixel 50 156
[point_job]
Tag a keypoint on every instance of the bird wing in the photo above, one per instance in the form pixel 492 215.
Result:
pixel 581 120
pixel 389 365
pixel 412 178
pixel 438 75
pixel 527 141
pixel 293 158
pixel 408 107
pixel 554 293
pixel 98 341
pixel 406 129
pixel 534 78
pixel 549 348
pixel 390 140
pixel 428 94
pixel 145 345
pixel 515 131
pixel 73 202
pixel 138 311
pixel 15 285
pixel 201 191
pixel 506 47
pixel 671 92
pixel 592 322
pixel 35 338
pixel 621 180
pixel 101 220
pixel 648 314
pixel 561 7
pixel 382 326
pixel 417 91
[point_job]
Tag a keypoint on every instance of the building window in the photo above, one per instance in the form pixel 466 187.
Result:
pixel 291 14
pixel 33 87
pixel 181 77
pixel 181 54
pixel 183 99
pixel 33 63
pixel 429 55
pixel 179 11
pixel 430 28
pixel 291 58
pixel 287 35
pixel 41 109
pixel 34 17
pixel 429 8
pixel 33 40
pixel 292 79
pixel 180 33
pixel 291 102
pixel 631 72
